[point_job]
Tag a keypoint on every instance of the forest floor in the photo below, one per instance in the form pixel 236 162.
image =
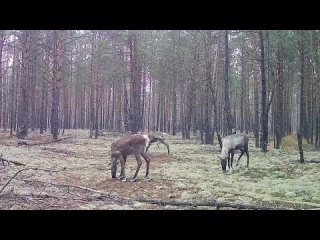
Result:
pixel 74 173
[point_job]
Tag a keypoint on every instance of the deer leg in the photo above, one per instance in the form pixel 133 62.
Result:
pixel 139 162
pixel 228 161
pixel 242 152
pixel 247 153
pixel 114 162
pixel 148 147
pixel 166 146
pixel 231 161
pixel 122 173
pixel 145 157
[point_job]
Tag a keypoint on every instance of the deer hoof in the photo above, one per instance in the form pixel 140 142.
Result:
pixel 124 179
pixel 147 178
pixel 133 180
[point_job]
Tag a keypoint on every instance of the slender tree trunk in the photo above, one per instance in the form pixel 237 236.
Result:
pixel 255 93
pixel 149 102
pixel 227 108
pixel 12 90
pixel 92 83
pixel 77 100
pixel 135 86
pixel 57 81
pixel 2 39
pixel 279 105
pixel 23 112
pixel 300 134
pixel 174 109
pixel 98 100
pixel 264 113
pixel 242 87
pixel 33 77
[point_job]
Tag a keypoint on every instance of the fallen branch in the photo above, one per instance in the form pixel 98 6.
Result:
pixel 11 161
pixel 24 169
pixel 12 178
pixel 58 150
pixel 210 203
pixel 312 161
pixel 102 194
pixel 41 143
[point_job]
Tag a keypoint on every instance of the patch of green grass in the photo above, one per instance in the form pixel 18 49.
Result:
pixel 272 177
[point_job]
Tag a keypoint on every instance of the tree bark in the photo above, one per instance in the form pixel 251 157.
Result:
pixel 300 134
pixel 23 112
pixel 227 108
pixel 279 106
pixel 264 113
pixel 57 80
pixel 255 93
pixel 93 82
pixel 135 86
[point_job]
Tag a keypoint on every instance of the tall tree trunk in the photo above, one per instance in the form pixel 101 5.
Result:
pixel 44 90
pixel 98 92
pixel 255 93
pixel 57 80
pixel 98 100
pixel 316 60
pixel 174 110
pixel 143 97
pixel 242 86
pixel 33 77
pixel 2 39
pixel 76 101
pixel 92 83
pixel 300 134
pixel 23 112
pixel 207 99
pixel 227 108
pixel 12 90
pixel 135 87
pixel 279 105
pixel 264 113
pixel 126 109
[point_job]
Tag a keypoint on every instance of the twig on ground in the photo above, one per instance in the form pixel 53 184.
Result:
pixel 11 161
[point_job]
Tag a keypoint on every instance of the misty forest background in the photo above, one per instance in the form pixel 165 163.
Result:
pixel 263 82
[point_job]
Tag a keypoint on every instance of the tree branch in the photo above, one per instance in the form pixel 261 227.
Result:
pixel 13 178
pixel 24 169
pixel 41 143
pixel 11 161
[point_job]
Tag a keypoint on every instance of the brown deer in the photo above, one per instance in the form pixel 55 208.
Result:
pixel 157 137
pixel 130 145
pixel 238 141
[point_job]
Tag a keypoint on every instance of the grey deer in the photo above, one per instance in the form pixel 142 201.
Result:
pixel 230 143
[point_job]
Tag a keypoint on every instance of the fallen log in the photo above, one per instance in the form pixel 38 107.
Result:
pixel 102 194
pixel 211 203
pixel 312 161
pixel 11 161
pixel 41 143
